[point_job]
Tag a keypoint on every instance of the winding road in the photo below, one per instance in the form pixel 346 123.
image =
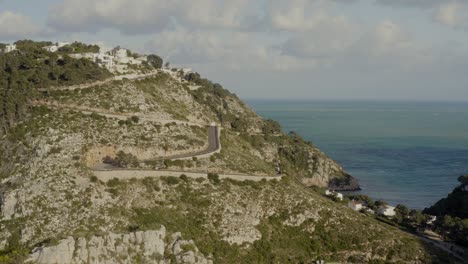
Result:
pixel 106 173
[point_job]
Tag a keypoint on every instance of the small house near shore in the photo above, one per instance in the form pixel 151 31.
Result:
pixel 355 205
pixel 387 210
pixel 338 195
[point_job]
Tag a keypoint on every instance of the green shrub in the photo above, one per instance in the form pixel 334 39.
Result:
pixel 93 179
pixel 171 180
pixel 184 178
pixel 214 178
pixel 114 182
pixel 135 119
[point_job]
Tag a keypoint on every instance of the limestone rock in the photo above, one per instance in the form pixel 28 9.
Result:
pixel 148 246
pixel 61 253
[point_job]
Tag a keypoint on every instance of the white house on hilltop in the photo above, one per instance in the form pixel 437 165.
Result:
pixel 120 53
pixel 52 48
pixel 104 60
pixel 56 47
pixel 387 210
pixel 62 44
pixel 10 48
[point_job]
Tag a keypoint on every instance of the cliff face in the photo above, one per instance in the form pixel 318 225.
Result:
pixel 137 247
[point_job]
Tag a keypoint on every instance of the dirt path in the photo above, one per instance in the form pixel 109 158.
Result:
pixel 123 174
pixel 87 85
pixel 111 114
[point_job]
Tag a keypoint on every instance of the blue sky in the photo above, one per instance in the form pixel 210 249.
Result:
pixel 295 49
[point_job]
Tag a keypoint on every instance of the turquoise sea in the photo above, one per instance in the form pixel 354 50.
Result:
pixel 402 152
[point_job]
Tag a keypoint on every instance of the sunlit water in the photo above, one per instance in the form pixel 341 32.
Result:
pixel 402 152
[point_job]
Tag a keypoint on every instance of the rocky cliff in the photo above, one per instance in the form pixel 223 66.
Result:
pixel 154 246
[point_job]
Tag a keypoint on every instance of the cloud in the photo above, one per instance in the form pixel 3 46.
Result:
pixel 325 40
pixel 412 3
pixel 453 14
pixel 300 15
pixel 15 26
pixel 127 16
pixel 146 16
pixel 213 13
pixel 235 51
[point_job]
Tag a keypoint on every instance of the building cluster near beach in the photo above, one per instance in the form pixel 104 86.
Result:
pixel 359 206
pixel 384 210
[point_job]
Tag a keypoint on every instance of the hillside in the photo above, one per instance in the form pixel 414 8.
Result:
pixel 56 208
pixel 452 213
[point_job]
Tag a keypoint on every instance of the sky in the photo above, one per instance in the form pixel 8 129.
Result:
pixel 275 49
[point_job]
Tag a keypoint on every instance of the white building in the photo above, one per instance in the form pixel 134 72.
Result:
pixel 387 210
pixel 62 44
pixel 10 48
pixel 119 53
pixel 104 60
pixel 52 48
pixel 87 55
pixel 356 206
pixel 338 195
pixel 432 219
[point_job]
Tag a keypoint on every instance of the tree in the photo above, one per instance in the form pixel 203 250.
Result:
pixel 271 127
pixel 401 214
pixel 463 179
pixel 214 178
pixel 167 64
pixel 402 210
pixel 379 203
pixel 417 217
pixel 155 61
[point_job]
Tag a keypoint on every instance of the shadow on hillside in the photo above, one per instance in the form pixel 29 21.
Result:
pixel 441 256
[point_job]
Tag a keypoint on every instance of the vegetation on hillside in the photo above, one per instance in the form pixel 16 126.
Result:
pixel 155 61
pixel 31 67
pixel 452 213
pixel 78 47
pixel 217 99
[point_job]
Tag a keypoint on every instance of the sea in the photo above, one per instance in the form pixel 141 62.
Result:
pixel 402 152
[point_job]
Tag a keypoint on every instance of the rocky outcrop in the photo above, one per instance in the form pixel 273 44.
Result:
pixel 317 169
pixel 345 183
pixel 142 247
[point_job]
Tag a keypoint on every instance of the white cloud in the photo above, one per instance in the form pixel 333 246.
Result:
pixel 124 15
pixel 143 16
pixel 213 13
pixel 234 51
pixel 300 15
pixel 325 40
pixel 14 26
pixel 412 3
pixel 452 14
